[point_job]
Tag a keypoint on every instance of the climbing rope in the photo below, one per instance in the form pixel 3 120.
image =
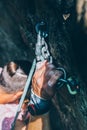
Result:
pixel 27 85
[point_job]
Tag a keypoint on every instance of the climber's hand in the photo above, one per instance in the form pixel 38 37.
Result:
pixel 44 80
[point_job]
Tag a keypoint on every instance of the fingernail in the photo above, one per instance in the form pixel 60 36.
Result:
pixel 50 83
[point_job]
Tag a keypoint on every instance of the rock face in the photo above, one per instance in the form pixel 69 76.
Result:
pixel 67 44
pixel 11 43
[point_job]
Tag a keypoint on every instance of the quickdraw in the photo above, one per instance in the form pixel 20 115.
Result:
pixel 42 53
